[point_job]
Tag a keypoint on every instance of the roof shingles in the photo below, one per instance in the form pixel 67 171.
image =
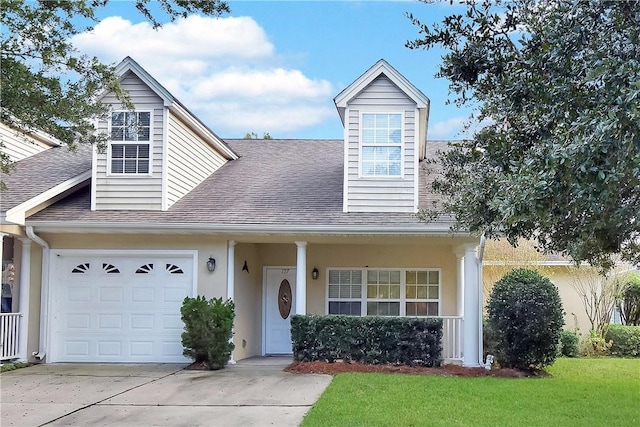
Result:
pixel 43 171
pixel 274 182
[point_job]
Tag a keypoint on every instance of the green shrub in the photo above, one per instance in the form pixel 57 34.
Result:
pixel 208 327
pixel 525 311
pixel 625 340
pixel 370 339
pixel 7 367
pixel 629 305
pixel 569 345
pixel 489 338
pixel 595 345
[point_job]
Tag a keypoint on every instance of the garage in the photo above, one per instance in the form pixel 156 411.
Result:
pixel 118 306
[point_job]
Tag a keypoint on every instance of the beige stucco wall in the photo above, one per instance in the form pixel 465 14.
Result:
pixel 247 334
pixel 325 256
pixel 575 317
pixel 325 253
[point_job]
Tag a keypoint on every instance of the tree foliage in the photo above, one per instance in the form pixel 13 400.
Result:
pixel 49 86
pixel 629 303
pixel 556 86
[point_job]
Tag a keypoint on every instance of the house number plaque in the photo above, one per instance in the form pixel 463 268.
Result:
pixel 284 299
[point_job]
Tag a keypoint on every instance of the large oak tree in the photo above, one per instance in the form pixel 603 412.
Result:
pixel 556 85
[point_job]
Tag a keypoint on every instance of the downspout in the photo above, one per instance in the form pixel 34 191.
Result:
pixel 480 301
pixel 44 294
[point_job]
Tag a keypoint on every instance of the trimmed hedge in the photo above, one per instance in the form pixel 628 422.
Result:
pixel 625 340
pixel 525 311
pixel 369 339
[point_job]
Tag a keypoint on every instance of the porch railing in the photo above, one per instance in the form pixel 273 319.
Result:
pixel 452 330
pixel 9 329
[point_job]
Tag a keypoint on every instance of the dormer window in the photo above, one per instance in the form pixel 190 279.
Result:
pixel 130 142
pixel 381 145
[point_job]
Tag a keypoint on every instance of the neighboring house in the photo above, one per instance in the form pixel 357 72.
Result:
pixel 108 244
pixel 573 282
pixel 19 146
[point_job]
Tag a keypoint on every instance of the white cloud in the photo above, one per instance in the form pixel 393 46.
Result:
pixel 194 38
pixel 458 127
pixel 448 129
pixel 225 70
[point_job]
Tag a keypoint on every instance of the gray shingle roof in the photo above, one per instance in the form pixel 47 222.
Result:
pixel 274 182
pixel 41 172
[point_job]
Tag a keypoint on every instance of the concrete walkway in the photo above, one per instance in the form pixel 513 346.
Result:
pixel 254 392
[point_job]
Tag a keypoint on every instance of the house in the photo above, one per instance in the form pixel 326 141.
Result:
pixel 574 283
pixel 106 245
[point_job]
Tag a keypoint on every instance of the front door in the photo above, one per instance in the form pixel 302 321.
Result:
pixel 280 304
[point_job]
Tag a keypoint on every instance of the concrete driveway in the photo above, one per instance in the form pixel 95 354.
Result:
pixel 254 392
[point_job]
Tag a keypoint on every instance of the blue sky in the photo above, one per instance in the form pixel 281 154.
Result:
pixel 276 66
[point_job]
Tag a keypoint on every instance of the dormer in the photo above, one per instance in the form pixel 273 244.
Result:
pixel 157 152
pixel 385 126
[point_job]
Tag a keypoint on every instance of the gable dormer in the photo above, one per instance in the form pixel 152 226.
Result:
pixel 157 152
pixel 385 125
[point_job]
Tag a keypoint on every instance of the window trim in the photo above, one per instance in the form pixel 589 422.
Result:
pixel 111 142
pixel 361 145
pixel 403 290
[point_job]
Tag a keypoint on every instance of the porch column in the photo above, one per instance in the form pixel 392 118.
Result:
pixel 460 283
pixel 1 247
pixel 231 259
pixel 472 343
pixel 23 301
pixel 231 254
pixel 301 278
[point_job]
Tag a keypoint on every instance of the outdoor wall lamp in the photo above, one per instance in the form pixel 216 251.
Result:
pixel 315 273
pixel 211 264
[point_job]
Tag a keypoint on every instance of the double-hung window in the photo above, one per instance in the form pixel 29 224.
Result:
pixel 130 142
pixel 381 145
pixel 345 292
pixel 384 292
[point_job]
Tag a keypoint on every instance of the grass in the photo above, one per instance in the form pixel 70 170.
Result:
pixel 578 392
pixel 7 367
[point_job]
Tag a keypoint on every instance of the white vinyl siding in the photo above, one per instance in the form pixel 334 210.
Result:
pixel 380 194
pixel 189 160
pixel 412 292
pixel 19 146
pixel 132 191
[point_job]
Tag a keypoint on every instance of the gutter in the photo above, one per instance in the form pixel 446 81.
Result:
pixel 217 228
pixel 44 295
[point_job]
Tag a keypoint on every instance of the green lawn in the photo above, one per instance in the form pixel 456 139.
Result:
pixel 579 392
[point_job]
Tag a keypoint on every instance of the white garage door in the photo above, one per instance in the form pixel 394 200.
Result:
pixel 118 308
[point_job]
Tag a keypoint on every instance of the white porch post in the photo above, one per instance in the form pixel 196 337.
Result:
pixel 231 255
pixel 231 259
pixel 23 302
pixel 460 284
pixel 301 278
pixel 1 247
pixel 471 349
